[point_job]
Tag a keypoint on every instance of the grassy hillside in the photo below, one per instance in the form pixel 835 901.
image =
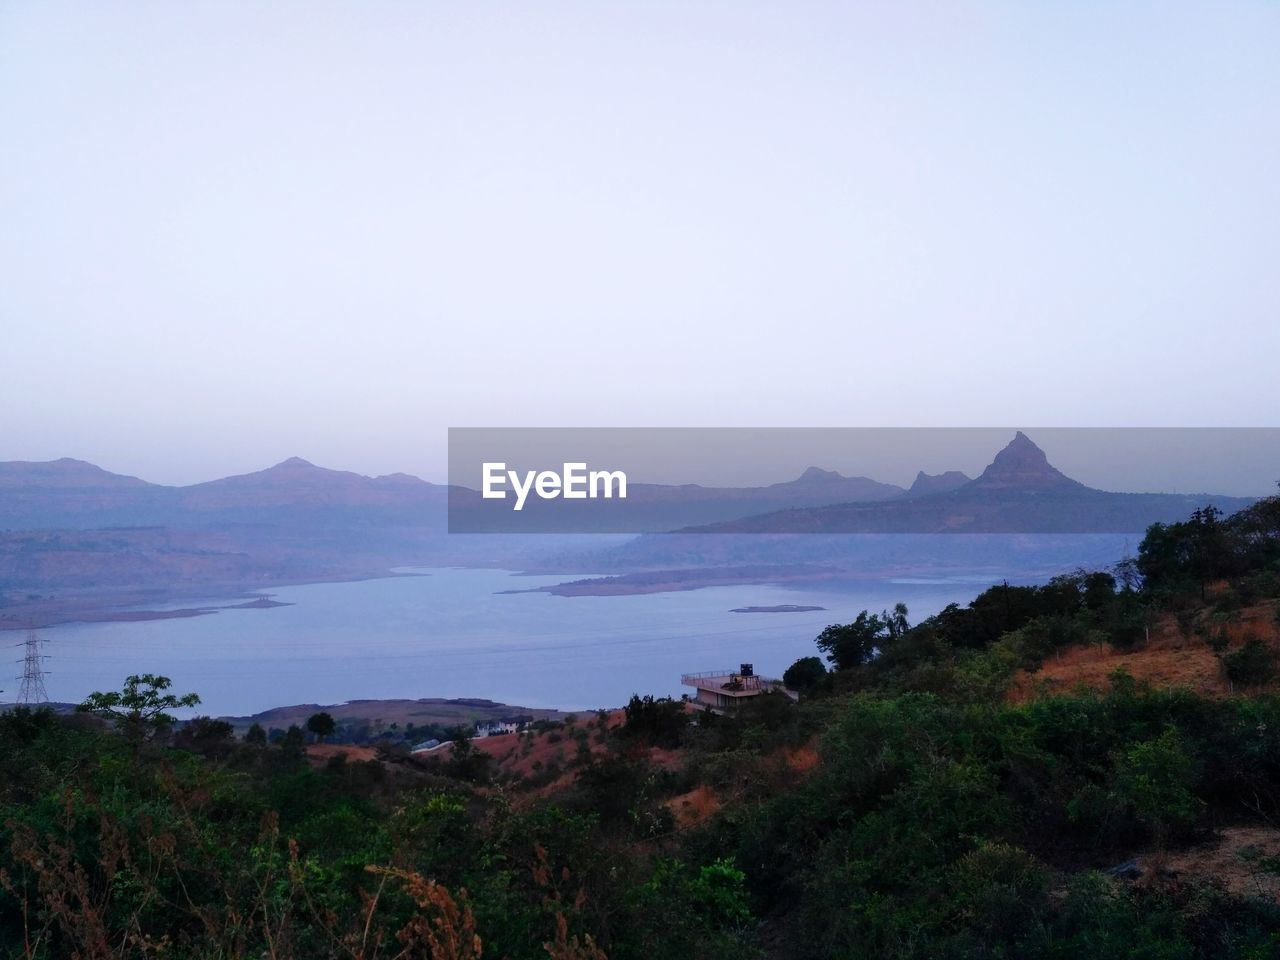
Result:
pixel 1089 768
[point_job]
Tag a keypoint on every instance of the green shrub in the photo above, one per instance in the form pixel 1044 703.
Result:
pixel 999 892
pixel 1156 778
pixel 1229 600
pixel 805 674
pixel 658 721
pixel 1254 664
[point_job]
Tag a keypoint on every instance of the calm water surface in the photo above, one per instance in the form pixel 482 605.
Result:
pixel 449 633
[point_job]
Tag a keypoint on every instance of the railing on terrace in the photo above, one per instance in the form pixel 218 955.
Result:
pixel 705 674
pixel 702 679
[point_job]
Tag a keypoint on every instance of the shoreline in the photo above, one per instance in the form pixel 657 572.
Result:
pixel 146 605
pixel 401 710
pixel 779 608
pixel 132 606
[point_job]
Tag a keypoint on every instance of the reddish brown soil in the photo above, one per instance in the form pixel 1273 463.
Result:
pixel 1171 659
pixel 530 754
pixel 695 807
pixel 802 759
pixel 323 752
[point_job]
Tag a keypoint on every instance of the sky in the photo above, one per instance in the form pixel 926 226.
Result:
pixel 232 232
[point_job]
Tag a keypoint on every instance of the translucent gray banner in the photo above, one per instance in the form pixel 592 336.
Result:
pixel 850 480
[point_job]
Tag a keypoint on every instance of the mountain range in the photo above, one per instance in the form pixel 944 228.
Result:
pixel 655 508
pixel 73 494
pixel 1019 492
pixel 76 539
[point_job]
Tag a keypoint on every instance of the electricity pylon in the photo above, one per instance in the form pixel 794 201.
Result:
pixel 31 684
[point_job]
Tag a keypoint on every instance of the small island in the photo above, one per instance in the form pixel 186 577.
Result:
pixel 778 608
pixel 260 602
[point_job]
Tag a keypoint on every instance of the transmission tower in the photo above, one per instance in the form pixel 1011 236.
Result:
pixel 31 684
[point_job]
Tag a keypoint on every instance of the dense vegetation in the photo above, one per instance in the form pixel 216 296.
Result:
pixel 933 818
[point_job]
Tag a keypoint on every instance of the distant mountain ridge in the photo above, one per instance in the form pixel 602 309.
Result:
pixel 73 494
pixel 65 473
pixel 1018 492
pixel 937 483
pixel 295 482
pixel 655 508
pixel 79 542
pixel 78 495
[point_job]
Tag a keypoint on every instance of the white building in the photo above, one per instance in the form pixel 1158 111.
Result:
pixel 725 690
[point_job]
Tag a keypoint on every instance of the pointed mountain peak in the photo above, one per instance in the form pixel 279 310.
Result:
pixel 1023 450
pixel 1023 464
pixel 294 472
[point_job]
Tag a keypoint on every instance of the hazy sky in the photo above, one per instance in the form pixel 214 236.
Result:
pixel 235 232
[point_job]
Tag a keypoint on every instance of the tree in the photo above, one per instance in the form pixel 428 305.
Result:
pixel 141 708
pixel 255 735
pixel 1128 574
pixel 1156 779
pixel 321 724
pixel 205 735
pixel 1208 546
pixel 1099 589
pixel 466 761
pixel 895 623
pixel 293 742
pixel 658 721
pixel 850 645
pixel 805 674
pixel 1196 552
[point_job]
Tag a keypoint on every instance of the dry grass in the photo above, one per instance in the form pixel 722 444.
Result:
pixel 695 807
pixel 1236 861
pixel 1172 659
pixel 321 753
pixel 802 759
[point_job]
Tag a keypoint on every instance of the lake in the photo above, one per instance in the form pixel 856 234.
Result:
pixel 450 633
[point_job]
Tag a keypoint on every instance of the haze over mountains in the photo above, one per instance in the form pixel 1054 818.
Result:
pixel 78 537
pixel 1019 492
pixel 926 483
pixel 656 508
pixel 73 494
